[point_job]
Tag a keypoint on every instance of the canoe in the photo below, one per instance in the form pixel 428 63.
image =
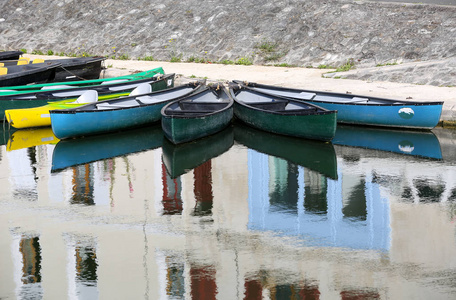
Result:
pixel 283 115
pixel 182 158
pixel 79 68
pixel 73 152
pixel 112 89
pixel 70 69
pixel 116 114
pixel 314 155
pixel 10 55
pixel 364 110
pixel 39 116
pixel 422 144
pixel 25 74
pixel 201 114
pixel 26 138
pixel 20 89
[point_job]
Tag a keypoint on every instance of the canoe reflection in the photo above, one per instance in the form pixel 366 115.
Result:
pixel 315 155
pixel 179 159
pixel 415 143
pixel 26 138
pixel 74 152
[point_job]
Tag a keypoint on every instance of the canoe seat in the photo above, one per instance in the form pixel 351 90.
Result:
pixel 188 113
pixel 3 71
pixel 114 105
pixel 143 88
pixel 200 106
pixel 274 106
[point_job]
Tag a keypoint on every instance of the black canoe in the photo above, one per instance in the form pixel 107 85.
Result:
pixel 9 55
pixel 26 74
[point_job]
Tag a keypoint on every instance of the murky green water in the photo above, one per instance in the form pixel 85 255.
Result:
pixel 239 215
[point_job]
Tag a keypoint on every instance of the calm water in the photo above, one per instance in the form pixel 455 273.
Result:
pixel 240 215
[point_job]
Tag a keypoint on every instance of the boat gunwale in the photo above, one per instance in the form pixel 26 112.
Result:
pixel 319 111
pixel 81 88
pixel 196 114
pixel 280 88
pixel 80 109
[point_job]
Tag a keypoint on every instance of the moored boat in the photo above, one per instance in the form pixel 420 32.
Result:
pixel 203 113
pixel 26 74
pixel 70 69
pixel 116 114
pixel 110 90
pixel 39 116
pixel 21 89
pixel 9 55
pixel 363 110
pixel 282 115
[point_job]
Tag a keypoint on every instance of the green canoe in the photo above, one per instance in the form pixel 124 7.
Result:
pixel 282 115
pixel 21 89
pixel 203 113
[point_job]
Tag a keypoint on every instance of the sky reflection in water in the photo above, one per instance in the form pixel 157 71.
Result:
pixel 240 215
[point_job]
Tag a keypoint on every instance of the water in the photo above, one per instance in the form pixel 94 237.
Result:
pixel 240 215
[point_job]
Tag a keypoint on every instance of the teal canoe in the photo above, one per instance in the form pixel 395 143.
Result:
pixel 116 114
pixel 203 113
pixel 283 115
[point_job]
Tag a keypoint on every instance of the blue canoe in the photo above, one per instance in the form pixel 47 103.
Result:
pixel 116 114
pixel 363 110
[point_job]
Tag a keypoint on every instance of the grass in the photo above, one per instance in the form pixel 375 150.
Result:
pixel 244 61
pixel 387 64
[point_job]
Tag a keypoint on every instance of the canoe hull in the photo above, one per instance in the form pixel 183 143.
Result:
pixel 181 130
pixel 417 116
pixel 41 75
pixel 318 127
pixel 68 125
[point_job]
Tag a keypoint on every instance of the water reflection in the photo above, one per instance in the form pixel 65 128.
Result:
pixel 414 143
pixel 179 159
pixel 240 215
pixel 72 152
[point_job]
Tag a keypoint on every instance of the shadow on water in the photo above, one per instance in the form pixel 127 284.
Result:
pixel 315 155
pixel 180 159
pixel 73 152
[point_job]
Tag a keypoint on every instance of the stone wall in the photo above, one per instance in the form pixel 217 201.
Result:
pixel 294 32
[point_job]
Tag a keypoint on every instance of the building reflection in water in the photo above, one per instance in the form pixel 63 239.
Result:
pixel 82 267
pixel 83 185
pixel 172 194
pixel 203 189
pixel 27 266
pixel 292 200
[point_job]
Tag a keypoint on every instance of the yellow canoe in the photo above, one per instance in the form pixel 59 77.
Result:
pixel 39 116
pixel 27 138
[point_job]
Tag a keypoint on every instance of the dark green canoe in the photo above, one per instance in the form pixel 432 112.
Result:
pixel 283 115
pixel 203 113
